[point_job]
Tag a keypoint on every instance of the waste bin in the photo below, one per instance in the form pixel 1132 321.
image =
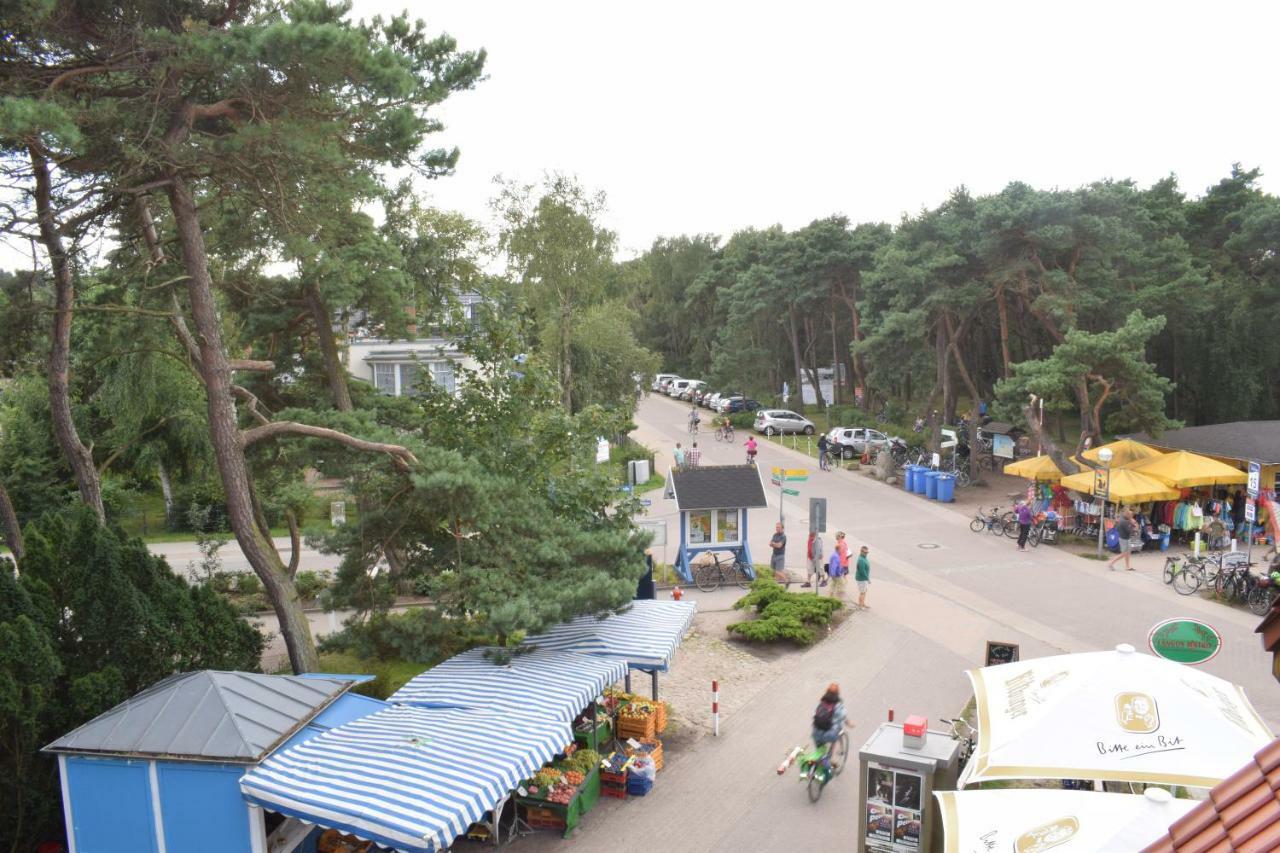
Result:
pixel 946 487
pixel 931 485
pixel 1164 541
pixel 909 477
pixel 917 485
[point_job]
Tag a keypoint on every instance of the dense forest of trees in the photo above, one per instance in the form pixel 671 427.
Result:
pixel 1062 293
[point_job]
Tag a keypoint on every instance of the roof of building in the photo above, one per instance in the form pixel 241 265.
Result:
pixel 1242 812
pixel 206 716
pixel 1257 441
pixel 718 487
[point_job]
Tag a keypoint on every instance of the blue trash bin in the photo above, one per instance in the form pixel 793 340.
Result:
pixel 946 487
pixel 917 485
pixel 909 477
pixel 931 485
pixel 1164 541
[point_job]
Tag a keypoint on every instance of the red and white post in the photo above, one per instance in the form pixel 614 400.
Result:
pixel 715 708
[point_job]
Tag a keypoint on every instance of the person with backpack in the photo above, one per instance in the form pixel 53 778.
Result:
pixel 829 720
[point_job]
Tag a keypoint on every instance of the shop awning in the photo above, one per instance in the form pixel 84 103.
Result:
pixel 1127 486
pixel 1184 470
pixel 553 683
pixel 1034 468
pixel 646 636
pixel 410 779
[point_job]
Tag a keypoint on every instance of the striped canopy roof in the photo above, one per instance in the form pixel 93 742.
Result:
pixel 554 684
pixel 411 779
pixel 646 636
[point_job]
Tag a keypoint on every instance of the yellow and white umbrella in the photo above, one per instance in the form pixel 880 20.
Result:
pixel 1127 486
pixel 1120 716
pixel 1123 452
pixel 1185 470
pixel 1031 820
pixel 1035 468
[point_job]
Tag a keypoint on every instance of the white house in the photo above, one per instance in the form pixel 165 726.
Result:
pixel 395 367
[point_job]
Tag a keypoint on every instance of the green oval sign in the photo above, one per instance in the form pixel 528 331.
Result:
pixel 1185 641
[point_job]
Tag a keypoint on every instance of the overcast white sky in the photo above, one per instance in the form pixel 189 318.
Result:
pixel 712 116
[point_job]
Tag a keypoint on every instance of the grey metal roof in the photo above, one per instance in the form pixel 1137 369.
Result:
pixel 718 487
pixel 1257 441
pixel 206 716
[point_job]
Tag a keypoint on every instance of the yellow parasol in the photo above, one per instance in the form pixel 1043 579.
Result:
pixel 1184 470
pixel 1123 452
pixel 1034 468
pixel 1127 486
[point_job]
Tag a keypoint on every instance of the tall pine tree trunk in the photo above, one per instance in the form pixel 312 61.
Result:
pixel 78 457
pixel 9 521
pixel 166 490
pixel 793 334
pixel 1003 309
pixel 224 432
pixel 566 357
pixel 334 372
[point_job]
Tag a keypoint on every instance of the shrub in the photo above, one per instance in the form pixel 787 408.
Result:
pixel 782 615
pixel 742 420
pixel 247 583
pixel 310 584
pixel 420 635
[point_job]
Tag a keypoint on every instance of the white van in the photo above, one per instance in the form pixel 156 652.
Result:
pixel 677 386
pixel 660 378
pixel 694 386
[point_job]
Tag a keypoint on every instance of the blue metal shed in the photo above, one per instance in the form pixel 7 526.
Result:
pixel 160 773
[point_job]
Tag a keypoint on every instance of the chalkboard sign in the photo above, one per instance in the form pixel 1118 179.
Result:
pixel 998 652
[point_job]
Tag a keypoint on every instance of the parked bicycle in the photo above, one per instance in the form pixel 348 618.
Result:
pixel 991 522
pixel 967 735
pixel 709 576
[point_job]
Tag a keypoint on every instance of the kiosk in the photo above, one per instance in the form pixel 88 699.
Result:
pixel 897 812
pixel 713 501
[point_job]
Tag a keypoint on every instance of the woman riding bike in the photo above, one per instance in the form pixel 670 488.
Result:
pixel 751 449
pixel 724 430
pixel 829 721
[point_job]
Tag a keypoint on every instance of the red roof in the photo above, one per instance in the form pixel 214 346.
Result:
pixel 1242 813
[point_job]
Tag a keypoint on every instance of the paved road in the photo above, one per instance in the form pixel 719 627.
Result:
pixel 182 556
pixel 938 593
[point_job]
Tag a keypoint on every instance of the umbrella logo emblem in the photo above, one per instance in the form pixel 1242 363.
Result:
pixel 1137 713
pixel 1045 837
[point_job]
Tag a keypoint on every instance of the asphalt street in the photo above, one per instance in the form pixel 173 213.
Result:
pixel 938 593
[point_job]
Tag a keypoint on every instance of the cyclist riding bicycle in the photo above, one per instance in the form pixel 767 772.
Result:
pixel 751 449
pixel 823 446
pixel 829 720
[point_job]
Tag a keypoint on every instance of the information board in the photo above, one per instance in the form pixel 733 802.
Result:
pixel 893 809
pixel 998 652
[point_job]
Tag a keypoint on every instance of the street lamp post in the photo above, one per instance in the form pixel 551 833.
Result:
pixel 1104 456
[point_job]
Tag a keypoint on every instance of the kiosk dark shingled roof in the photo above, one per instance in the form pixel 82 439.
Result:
pixel 718 487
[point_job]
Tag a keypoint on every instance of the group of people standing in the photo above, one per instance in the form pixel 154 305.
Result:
pixel 689 458
pixel 821 569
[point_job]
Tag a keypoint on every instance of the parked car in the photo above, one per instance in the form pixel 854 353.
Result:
pixel 677 386
pixel 732 405
pixel 710 399
pixel 692 388
pixel 660 379
pixel 777 421
pixel 855 441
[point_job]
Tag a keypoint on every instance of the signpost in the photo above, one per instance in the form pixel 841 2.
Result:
pixel 781 476
pixel 817 515
pixel 1188 641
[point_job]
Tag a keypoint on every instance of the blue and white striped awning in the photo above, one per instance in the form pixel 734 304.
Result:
pixel 646 636
pixel 411 779
pixel 551 683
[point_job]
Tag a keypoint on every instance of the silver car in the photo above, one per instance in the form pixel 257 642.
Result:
pixel 855 441
pixel 778 421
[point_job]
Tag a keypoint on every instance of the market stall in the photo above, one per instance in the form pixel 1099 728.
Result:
pixel 1119 716
pixel 645 636
pixel 412 779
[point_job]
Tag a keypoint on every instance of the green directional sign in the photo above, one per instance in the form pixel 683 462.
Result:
pixel 1185 641
pixel 797 479
pixel 792 492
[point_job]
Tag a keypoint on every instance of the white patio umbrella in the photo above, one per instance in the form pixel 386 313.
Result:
pixel 1031 820
pixel 1120 716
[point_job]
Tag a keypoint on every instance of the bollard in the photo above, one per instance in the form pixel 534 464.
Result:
pixel 716 708
pixel 891 715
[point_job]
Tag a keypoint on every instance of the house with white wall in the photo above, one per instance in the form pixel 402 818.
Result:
pixel 396 366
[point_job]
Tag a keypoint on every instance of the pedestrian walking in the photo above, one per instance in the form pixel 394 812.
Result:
pixel 813 553
pixel 862 575
pixel 678 453
pixel 1023 513
pixel 1124 529
pixel 693 456
pixel 778 561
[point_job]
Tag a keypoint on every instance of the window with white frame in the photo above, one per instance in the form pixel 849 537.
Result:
pixel 719 527
pixel 727 527
pixel 384 378
pixel 408 380
pixel 442 375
